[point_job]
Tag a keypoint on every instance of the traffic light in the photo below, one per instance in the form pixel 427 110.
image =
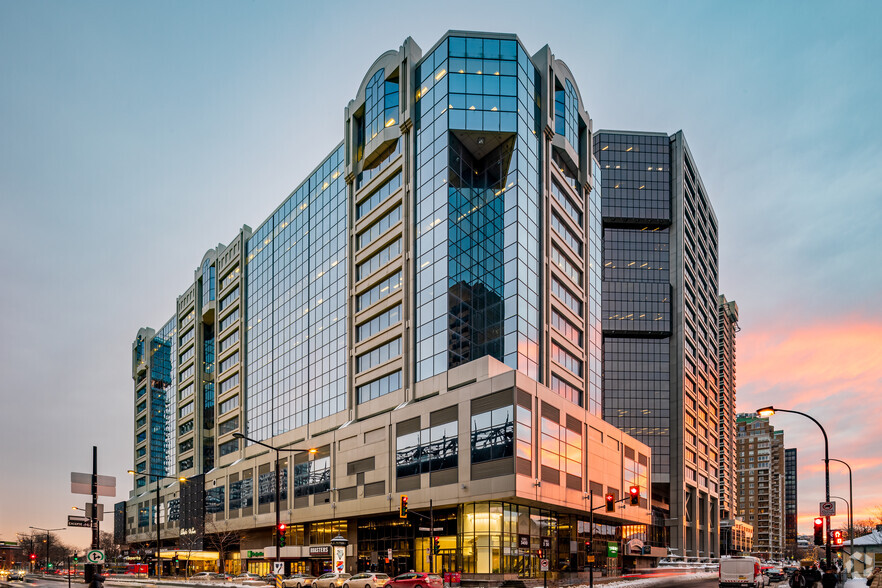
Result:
pixel 587 545
pixel 635 495
pixel 282 537
pixel 33 556
pixel 436 546
pixel 402 510
pixel 819 531
pixel 837 537
pixel 610 503
pixel 76 558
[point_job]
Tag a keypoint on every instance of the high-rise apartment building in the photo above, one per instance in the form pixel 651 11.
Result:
pixel 761 483
pixel 659 320
pixel 727 325
pixel 791 504
pixel 423 313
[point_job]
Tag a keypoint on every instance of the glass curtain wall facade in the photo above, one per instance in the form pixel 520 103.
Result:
pixel 791 503
pixel 378 316
pixel 477 206
pixel 296 307
pixel 163 399
pixel 659 320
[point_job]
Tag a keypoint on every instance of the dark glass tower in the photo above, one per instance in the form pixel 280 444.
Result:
pixel 659 322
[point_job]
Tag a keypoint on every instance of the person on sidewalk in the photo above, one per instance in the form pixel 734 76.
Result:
pixel 830 579
pixel 797 580
pixel 875 579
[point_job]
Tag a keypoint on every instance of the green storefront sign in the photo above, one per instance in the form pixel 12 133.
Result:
pixel 255 554
pixel 612 549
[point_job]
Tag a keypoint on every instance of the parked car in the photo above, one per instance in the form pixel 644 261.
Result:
pixel 298 581
pixel 416 580
pixel 331 580
pixel 222 577
pixel 203 577
pixel 776 574
pixel 367 580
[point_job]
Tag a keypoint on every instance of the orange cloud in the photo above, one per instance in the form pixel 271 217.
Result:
pixel 832 370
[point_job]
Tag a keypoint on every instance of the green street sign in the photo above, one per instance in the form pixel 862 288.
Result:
pixel 612 549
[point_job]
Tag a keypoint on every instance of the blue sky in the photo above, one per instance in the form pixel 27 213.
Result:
pixel 135 136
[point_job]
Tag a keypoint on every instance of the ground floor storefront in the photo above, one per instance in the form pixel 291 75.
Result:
pixel 478 540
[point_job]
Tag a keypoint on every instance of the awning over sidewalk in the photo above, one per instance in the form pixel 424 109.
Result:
pixel 190 555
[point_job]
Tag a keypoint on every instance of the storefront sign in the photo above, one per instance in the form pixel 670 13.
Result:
pixel 545 542
pixel 524 541
pixel 612 549
pixel 255 554
pixel 319 551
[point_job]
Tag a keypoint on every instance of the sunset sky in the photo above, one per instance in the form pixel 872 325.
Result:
pixel 134 136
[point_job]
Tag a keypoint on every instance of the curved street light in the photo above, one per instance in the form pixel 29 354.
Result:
pixel 769 411
pixel 851 507
pixel 277 476
pixel 180 479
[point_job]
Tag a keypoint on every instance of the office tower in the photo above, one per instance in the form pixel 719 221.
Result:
pixel 727 327
pixel 659 305
pixel 760 472
pixel 790 502
pixel 419 318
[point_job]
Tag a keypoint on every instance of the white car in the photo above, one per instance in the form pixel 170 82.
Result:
pixel 367 580
pixel 331 580
pixel 203 577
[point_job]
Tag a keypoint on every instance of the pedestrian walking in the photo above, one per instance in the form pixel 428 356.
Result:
pixel 797 580
pixel 830 579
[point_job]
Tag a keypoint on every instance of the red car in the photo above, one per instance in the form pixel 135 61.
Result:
pixel 416 580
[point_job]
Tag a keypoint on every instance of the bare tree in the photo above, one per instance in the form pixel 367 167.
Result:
pixel 188 543
pixel 224 540
pixel 112 551
pixel 35 542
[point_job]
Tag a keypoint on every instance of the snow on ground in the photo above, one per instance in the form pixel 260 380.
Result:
pixel 657 581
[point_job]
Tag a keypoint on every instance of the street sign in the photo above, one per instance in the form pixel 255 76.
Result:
pixel 589 559
pixel 99 508
pixel 96 556
pixel 75 521
pixel 389 553
pixel 612 549
pixel 828 509
pixel 82 484
pixel 543 565
pixel 278 568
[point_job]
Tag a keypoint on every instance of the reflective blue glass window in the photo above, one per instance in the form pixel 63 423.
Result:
pixel 208 283
pixel 296 307
pixel 566 114
pixel 381 104
pixel 214 499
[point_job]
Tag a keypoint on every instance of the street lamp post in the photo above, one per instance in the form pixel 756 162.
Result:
pixel 278 477
pixel 769 411
pixel 47 543
pixel 158 538
pixel 851 506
